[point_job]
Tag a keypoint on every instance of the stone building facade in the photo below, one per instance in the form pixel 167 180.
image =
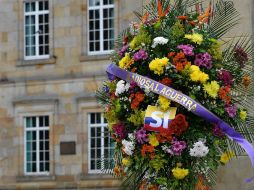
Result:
pixel 53 55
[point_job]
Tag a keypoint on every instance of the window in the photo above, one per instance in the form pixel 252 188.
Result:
pixel 101 146
pixel 101 26
pixel 36 30
pixel 36 145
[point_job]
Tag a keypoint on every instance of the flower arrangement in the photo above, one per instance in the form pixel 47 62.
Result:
pixel 180 49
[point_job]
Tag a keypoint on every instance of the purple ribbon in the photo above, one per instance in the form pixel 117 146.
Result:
pixel 185 101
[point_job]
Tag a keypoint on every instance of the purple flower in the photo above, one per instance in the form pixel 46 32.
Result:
pixel 231 110
pixel 187 49
pixel 176 148
pixel 141 136
pixel 218 132
pixel 120 130
pixel 240 55
pixel 226 77
pixel 123 50
pixel 140 55
pixel 203 59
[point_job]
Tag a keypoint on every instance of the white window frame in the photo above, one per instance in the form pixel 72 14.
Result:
pixel 35 13
pixel 102 125
pixel 37 129
pixel 100 8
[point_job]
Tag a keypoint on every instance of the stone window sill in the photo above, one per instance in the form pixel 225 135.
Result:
pixel 97 176
pixel 35 62
pixel 35 178
pixel 83 58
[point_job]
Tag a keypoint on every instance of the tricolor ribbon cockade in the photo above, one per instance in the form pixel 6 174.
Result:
pixel 187 102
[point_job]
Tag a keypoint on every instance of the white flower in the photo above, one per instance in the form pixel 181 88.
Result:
pixel 159 40
pixel 128 147
pixel 131 136
pixel 121 87
pixel 199 149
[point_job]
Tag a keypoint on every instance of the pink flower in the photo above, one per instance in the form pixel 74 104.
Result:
pixel 231 110
pixel 226 77
pixel 141 136
pixel 187 49
pixel 120 130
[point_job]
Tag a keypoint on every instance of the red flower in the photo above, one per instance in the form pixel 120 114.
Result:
pixel 166 81
pixel 179 124
pixel 147 149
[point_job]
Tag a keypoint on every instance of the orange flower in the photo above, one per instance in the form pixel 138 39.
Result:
pixel 147 149
pixel 117 170
pixel 180 61
pixel 171 54
pixel 166 81
pixel 224 94
pixel 182 17
pixel 246 80
pixel 138 98
pixel 192 23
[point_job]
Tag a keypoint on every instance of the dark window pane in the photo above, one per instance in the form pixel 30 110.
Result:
pixel 46 5
pixel 46 121
pixel 47 166
pixel 41 156
pixel 46 135
pixel 40 5
pixel 98 134
pixel 105 2
pixel 105 24
pixel 105 34
pixel 46 39
pixel 46 29
pixel 92 164
pixel 105 120
pixel 111 1
pixel 28 167
pixel 97 14
pixel 92 153
pixel 111 23
pixel 91 46
pixel 33 121
pixel 97 46
pixel 97 35
pixel 97 24
pixel 34 146
pixel 98 153
pixel 91 36
pixel 111 12
pixel 34 135
pixel 92 143
pixel 98 117
pixel 41 145
pixel 92 132
pixel 46 18
pixel 41 166
pixel 92 116
pixel 34 167
pixel 41 135
pixel 40 19
pixel 46 145
pixel 111 34
pixel 98 164
pixel 46 50
pixel 94 2
pixel 40 50
pixel 91 25
pixel 46 155
pixel 90 14
pixel 41 29
pixel 41 42
pixel 41 123
pixel 34 156
pixel 98 141
pixel 105 13
pixel 105 44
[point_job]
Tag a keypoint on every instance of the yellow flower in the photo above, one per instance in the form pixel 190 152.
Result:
pixel 157 65
pixel 198 76
pixel 124 61
pixel 243 115
pixel 226 156
pixel 153 140
pixel 212 89
pixel 195 37
pixel 180 173
pixel 164 103
pixel 126 162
